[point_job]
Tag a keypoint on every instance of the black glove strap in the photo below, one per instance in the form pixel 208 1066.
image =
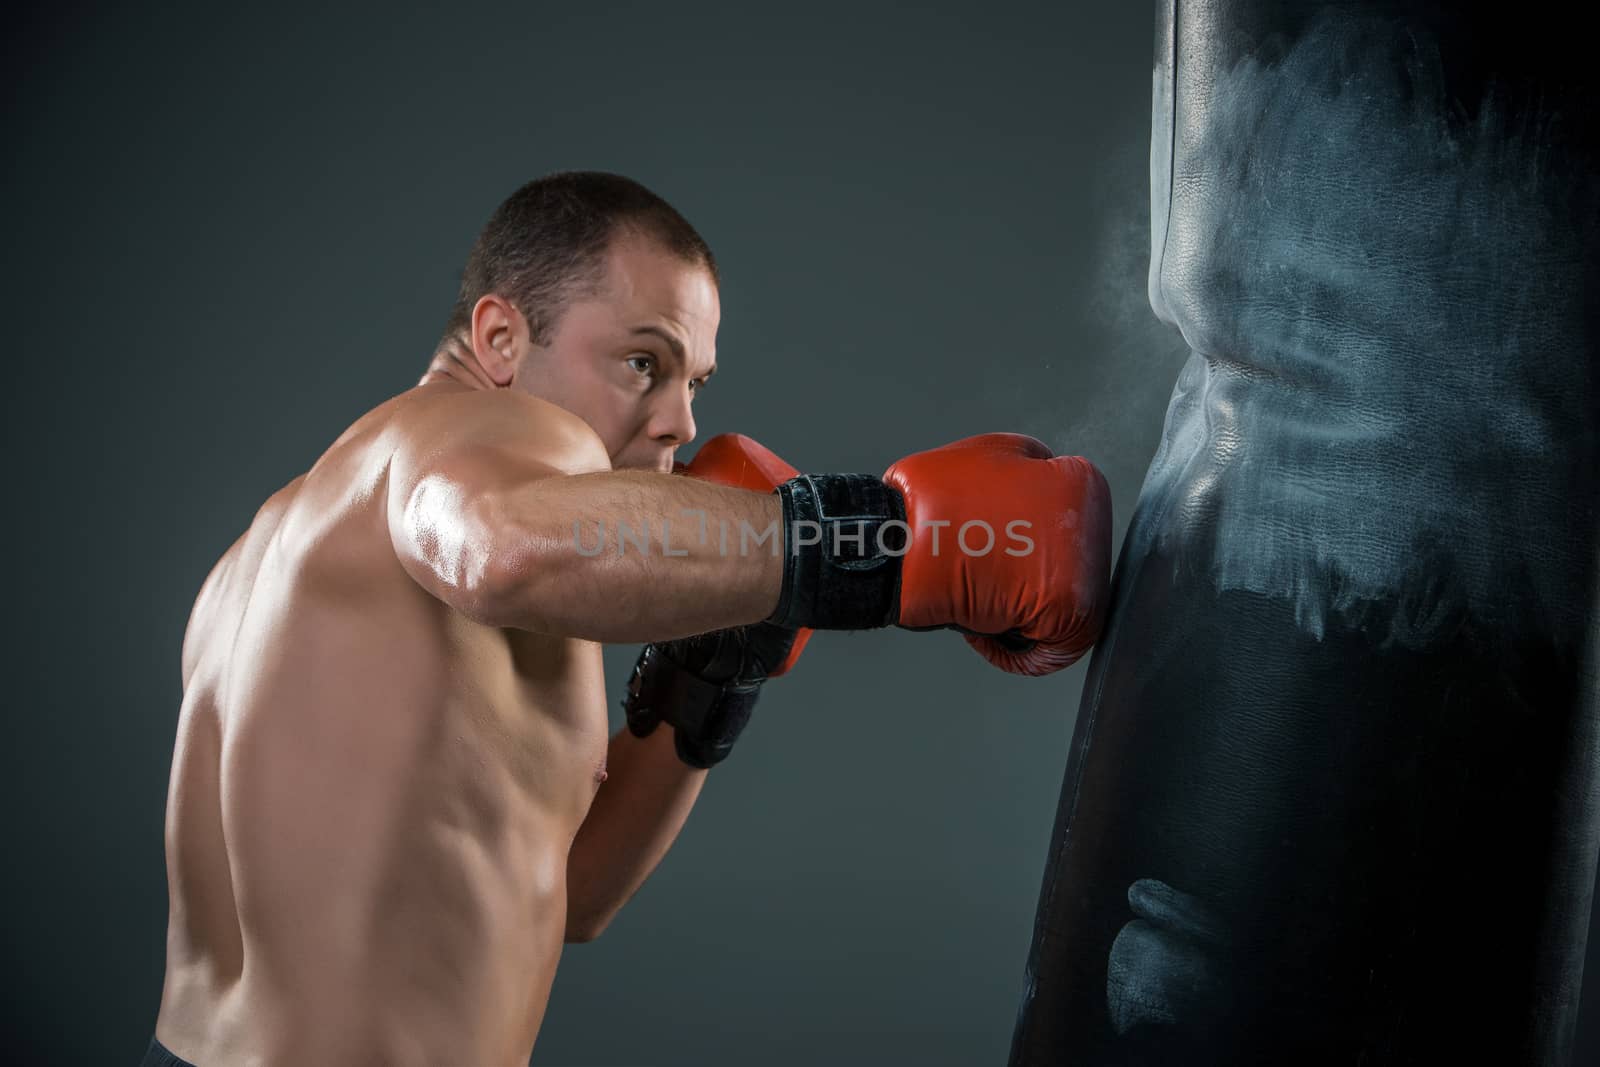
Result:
pixel 850 578
pixel 707 717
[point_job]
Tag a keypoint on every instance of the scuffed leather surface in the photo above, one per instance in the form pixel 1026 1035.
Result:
pixel 1345 707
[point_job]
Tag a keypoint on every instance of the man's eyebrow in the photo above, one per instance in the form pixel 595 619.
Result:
pixel 672 343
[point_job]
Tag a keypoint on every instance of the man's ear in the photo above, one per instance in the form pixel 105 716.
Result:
pixel 499 337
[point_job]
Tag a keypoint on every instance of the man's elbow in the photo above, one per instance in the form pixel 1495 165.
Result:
pixel 582 929
pixel 476 557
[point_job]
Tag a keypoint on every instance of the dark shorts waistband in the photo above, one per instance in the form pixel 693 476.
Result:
pixel 158 1055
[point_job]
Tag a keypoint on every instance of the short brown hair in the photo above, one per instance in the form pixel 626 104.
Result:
pixel 545 245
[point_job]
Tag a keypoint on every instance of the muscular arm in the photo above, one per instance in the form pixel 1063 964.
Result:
pixel 490 494
pixel 632 823
pixel 541 581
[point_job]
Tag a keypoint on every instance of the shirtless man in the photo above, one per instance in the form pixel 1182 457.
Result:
pixel 393 797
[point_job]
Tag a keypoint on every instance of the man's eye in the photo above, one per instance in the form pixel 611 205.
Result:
pixel 643 364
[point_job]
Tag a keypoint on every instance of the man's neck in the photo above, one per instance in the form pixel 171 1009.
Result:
pixel 455 362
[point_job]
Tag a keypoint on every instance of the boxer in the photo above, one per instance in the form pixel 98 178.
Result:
pixel 393 796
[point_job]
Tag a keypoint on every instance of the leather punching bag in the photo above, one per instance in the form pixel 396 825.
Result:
pixel 1334 790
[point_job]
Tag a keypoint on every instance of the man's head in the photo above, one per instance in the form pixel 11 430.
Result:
pixel 591 292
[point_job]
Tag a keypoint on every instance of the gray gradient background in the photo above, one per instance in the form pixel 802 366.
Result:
pixel 231 233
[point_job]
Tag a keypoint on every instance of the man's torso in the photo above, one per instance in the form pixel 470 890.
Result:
pixel 372 797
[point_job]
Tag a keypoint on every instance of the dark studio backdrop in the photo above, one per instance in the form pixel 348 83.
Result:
pixel 230 233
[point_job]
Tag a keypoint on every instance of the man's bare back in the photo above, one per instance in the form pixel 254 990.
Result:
pixel 372 796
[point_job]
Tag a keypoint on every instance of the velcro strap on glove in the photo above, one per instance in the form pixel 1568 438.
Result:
pixel 844 536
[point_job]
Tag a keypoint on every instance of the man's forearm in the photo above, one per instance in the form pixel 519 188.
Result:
pixel 634 556
pixel 635 817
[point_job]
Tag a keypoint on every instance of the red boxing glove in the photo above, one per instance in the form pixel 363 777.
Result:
pixel 1009 545
pixel 736 461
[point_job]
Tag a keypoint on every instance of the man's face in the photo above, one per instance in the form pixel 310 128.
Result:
pixel 630 359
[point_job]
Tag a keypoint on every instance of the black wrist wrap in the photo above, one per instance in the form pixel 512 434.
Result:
pixel 707 717
pixel 849 579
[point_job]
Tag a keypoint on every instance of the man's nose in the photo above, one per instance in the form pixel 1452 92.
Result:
pixel 673 421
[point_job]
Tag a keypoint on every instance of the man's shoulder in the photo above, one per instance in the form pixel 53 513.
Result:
pixel 440 418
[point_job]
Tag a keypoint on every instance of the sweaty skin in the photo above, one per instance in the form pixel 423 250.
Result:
pixel 386 811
